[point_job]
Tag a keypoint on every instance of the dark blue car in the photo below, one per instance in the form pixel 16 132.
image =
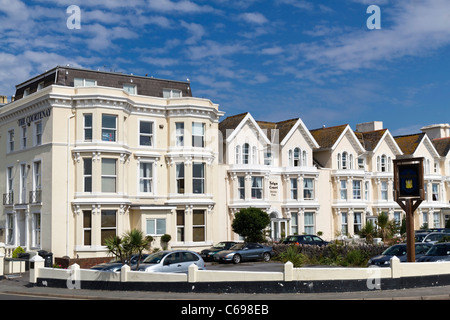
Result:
pixel 438 252
pixel 398 250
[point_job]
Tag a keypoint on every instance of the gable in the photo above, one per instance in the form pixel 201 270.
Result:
pixel 297 131
pixel 232 127
pixel 348 140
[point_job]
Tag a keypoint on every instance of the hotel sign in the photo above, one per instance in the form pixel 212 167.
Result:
pixel 408 179
pixel 35 117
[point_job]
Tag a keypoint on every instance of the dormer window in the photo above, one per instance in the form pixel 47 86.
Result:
pixel 172 93
pixel 80 82
pixel 129 88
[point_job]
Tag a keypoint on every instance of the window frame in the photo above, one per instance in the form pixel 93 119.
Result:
pixel 86 175
pixel 149 180
pixel 87 229
pixel 180 180
pixel 157 225
pixel 294 188
pixel 257 192
pixel 179 142
pixel 198 226
pixel 107 228
pixel 195 136
pixel 87 128
pixel 38 133
pixel 150 136
pixel 106 129
pixel 11 138
pixel 306 189
pixel 199 179
pixel 108 177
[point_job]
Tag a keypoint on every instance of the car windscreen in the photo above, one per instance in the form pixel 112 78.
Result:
pixel 238 246
pixel 420 237
pixel 395 251
pixel 220 245
pixel 155 258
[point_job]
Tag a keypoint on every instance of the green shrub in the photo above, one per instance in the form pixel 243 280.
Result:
pixel 293 255
pixel 17 251
pixel 334 254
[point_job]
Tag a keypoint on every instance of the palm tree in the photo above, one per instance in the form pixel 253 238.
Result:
pixel 383 222
pixel 132 242
pixel 135 243
pixel 115 247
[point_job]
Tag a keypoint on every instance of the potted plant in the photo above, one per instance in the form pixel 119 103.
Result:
pixel 165 241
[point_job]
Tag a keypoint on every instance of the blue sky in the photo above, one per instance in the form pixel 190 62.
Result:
pixel 283 59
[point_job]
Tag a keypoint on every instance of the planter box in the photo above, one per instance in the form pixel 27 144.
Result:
pixel 14 266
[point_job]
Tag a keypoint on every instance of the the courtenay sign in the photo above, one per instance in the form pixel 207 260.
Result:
pixel 35 117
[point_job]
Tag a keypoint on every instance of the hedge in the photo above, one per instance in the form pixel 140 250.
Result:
pixel 334 254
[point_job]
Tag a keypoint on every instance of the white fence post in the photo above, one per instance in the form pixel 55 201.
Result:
pixel 36 263
pixel 288 271
pixel 124 273
pixel 192 273
pixel 395 267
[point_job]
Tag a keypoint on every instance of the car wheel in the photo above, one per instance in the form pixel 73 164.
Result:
pixel 236 258
pixel 266 256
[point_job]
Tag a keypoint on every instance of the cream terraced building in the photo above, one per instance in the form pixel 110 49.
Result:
pixel 88 154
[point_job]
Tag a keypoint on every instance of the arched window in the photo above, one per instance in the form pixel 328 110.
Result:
pixel 344 160
pixel 238 155
pixel 339 161
pixel 291 160
pixel 383 167
pixel 297 157
pixel 350 161
pixel 245 153
pixel 304 158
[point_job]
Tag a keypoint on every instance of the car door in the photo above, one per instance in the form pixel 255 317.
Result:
pixel 253 251
pixel 173 262
pixel 307 240
pixel 188 259
pixel 316 240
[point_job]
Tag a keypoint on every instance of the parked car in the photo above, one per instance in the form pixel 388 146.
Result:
pixel 245 251
pixel 116 265
pixel 171 261
pixel 438 252
pixel 208 254
pixel 305 239
pixel 398 250
pixel 432 237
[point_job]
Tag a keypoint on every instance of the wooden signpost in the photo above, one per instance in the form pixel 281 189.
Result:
pixel 409 194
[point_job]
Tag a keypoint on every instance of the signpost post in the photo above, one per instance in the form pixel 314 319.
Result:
pixel 409 194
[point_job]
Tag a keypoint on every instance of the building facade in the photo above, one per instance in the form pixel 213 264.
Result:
pixel 86 155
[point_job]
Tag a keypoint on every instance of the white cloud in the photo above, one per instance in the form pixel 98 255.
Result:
pixel 196 30
pixel 272 50
pixel 183 6
pixel 416 30
pixel 254 17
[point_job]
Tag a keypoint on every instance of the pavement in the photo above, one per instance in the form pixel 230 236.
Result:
pixel 19 286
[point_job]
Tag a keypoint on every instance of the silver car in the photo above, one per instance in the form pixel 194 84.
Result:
pixel 434 237
pixel 171 261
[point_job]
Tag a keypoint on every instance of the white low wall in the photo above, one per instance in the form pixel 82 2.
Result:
pixel 397 270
